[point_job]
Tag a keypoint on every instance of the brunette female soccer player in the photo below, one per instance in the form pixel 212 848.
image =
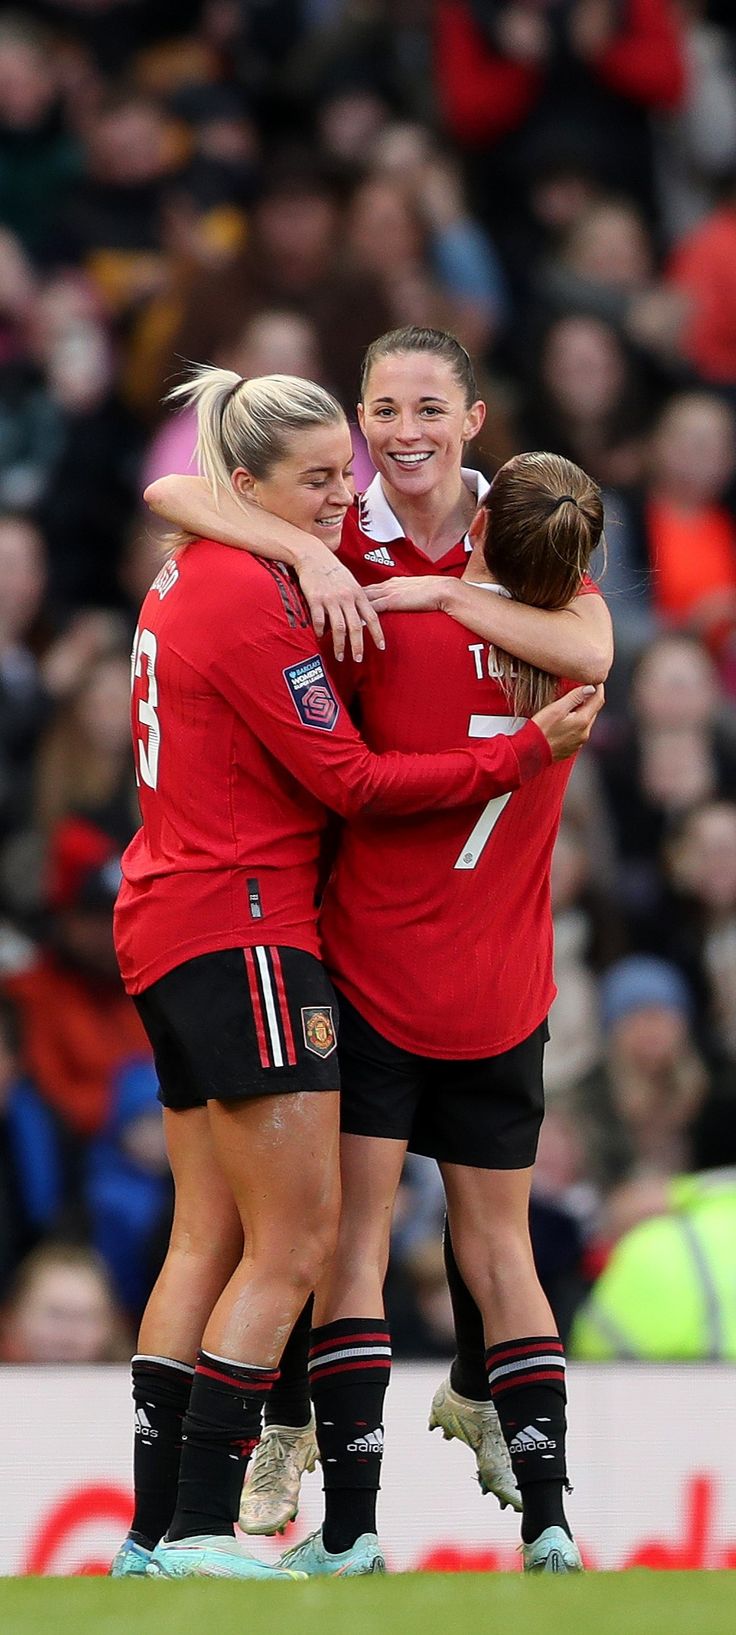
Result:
pixel 419 405
pixel 239 738
pixel 442 958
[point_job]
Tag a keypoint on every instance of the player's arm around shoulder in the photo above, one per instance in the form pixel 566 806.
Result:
pixel 334 596
pixel 272 674
pixel 575 641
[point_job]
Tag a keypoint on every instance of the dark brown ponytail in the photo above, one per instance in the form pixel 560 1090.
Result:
pixel 544 521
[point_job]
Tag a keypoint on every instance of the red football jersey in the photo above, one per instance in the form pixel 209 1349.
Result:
pixel 373 546
pixel 440 930
pixel 241 743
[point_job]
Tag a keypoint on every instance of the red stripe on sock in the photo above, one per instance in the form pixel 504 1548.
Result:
pixel 344 1340
pixel 347 1368
pixel 229 1379
pixel 511 1382
pixel 283 1007
pixel 499 1354
pixel 255 999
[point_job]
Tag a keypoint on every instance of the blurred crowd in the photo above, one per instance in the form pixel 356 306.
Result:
pixel 268 185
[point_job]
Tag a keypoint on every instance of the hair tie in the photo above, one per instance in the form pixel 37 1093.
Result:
pixel 561 501
pixel 229 395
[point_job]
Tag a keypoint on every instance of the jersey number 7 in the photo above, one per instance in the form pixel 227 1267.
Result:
pixel 487 726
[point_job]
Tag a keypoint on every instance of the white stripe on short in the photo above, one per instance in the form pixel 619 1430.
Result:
pixel 273 1027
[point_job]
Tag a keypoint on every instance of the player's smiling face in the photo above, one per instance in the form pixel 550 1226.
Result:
pixel 312 484
pixel 416 421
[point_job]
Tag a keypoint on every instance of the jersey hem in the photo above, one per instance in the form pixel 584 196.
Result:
pixel 214 944
pixel 403 1042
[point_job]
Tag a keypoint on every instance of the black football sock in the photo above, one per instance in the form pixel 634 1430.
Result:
pixel 527 1381
pixel 349 1369
pixel 221 1428
pixel 161 1390
pixel 289 1402
pixel 468 1374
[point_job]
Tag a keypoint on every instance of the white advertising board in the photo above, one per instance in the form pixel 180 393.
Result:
pixel 652 1459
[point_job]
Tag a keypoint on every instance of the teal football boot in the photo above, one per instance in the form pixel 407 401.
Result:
pixel 211 1556
pixel 131 1560
pixel 311 1557
pixel 552 1552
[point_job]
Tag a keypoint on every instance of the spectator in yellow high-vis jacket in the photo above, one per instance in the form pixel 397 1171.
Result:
pixel 668 1293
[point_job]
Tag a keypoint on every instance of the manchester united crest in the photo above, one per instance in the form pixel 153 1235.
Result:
pixel 318 1029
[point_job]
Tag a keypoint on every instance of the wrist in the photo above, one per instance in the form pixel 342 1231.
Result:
pixel 311 553
pixel 533 749
pixel 448 595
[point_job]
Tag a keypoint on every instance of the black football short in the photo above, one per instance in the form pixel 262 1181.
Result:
pixel 242 1022
pixel 485 1113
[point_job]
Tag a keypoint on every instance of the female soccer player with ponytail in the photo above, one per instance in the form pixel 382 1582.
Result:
pixel 438 936
pixel 419 405
pixel 240 744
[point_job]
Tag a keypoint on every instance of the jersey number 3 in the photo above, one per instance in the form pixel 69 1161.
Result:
pixel 144 657
pixel 486 726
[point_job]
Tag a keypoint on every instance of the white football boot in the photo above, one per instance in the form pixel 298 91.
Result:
pixel 477 1425
pixel 271 1489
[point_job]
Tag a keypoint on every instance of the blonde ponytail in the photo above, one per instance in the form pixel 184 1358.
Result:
pixel 208 391
pixel 249 423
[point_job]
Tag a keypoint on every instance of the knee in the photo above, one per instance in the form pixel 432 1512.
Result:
pixel 218 1243
pixel 494 1261
pixel 306 1263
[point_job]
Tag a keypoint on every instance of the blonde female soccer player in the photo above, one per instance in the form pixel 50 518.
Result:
pixel 240 743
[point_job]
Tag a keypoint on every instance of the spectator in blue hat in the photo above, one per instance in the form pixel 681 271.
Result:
pixel 639 1109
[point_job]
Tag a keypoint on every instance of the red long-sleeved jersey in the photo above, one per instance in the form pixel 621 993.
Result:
pixel 241 743
pixel 439 931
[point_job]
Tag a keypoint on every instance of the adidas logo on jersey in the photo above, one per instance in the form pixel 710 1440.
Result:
pixel 531 1440
pixel 143 1426
pixel 372 1442
pixel 380 555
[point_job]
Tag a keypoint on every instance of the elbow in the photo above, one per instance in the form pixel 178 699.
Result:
pixel 594 665
pixel 359 804
pixel 346 803
pixel 153 496
pixel 371 800
pixel 594 658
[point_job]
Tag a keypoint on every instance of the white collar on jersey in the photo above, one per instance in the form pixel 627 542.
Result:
pixel 482 584
pixel 379 522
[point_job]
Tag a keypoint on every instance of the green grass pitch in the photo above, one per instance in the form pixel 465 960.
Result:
pixel 636 1603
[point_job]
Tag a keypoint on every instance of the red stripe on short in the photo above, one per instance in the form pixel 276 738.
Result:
pixel 350 1340
pixel 532 1378
pixel 267 1384
pixel 283 1007
pixel 502 1354
pixel 347 1368
pixel 255 999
